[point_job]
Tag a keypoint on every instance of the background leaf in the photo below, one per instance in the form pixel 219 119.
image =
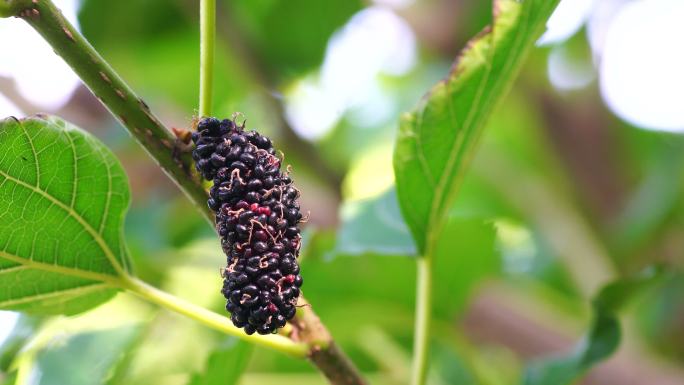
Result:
pixel 226 364
pixel 85 358
pixel 437 140
pixel 465 256
pixel 603 338
pixel 290 36
pixel 63 197
pixel 374 225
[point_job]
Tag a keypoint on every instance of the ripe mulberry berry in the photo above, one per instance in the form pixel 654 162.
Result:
pixel 257 217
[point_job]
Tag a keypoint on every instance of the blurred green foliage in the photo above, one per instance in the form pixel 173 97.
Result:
pixel 85 358
pixel 526 225
pixel 225 364
pixel 289 37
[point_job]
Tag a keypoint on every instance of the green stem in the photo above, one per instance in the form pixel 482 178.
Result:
pixel 421 336
pixel 207 43
pixel 12 8
pixel 112 91
pixel 211 319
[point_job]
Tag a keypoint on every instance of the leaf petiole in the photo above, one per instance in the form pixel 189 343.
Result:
pixel 209 318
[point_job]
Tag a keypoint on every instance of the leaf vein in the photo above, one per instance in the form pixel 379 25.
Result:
pixel 58 269
pixel 33 151
pixel 86 226
pixel 74 185
pixel 75 292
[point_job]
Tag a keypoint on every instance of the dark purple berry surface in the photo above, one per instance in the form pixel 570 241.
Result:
pixel 257 217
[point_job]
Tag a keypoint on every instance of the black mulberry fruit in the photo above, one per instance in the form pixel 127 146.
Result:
pixel 257 217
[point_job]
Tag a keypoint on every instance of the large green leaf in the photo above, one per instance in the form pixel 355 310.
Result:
pixel 63 196
pixel 602 340
pixel 437 140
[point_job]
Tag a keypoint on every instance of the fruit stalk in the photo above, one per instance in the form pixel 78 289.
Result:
pixel 207 43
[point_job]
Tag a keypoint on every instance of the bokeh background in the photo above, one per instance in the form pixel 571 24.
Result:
pixel 578 180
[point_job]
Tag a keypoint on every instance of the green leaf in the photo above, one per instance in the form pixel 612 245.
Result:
pixel 603 338
pixel 438 139
pixel 225 365
pixel 63 197
pixel 374 226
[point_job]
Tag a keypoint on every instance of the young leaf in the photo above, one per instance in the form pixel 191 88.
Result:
pixel 437 140
pixel 63 196
pixel 603 338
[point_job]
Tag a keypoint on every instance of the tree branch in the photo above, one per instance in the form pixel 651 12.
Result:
pixel 135 115
pixel 113 92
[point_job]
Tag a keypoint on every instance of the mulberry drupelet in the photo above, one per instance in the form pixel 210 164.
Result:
pixel 257 217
